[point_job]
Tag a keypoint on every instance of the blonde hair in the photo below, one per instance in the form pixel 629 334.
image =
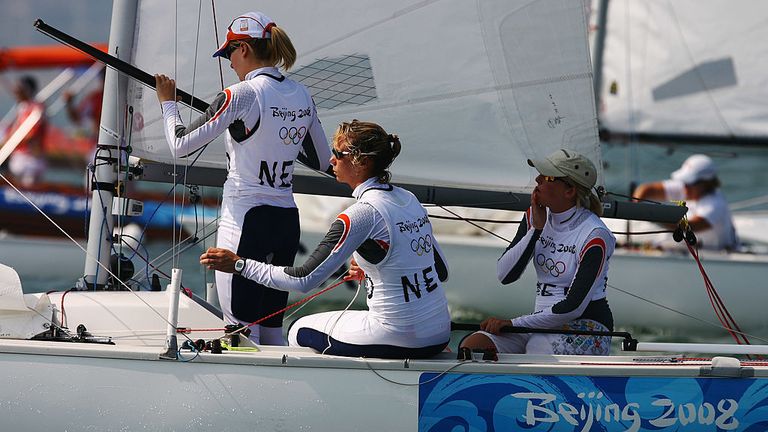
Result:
pixel 277 50
pixel 369 140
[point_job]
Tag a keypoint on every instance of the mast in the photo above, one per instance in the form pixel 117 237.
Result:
pixel 598 50
pixel 110 148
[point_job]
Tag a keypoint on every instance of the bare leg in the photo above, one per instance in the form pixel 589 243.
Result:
pixel 478 341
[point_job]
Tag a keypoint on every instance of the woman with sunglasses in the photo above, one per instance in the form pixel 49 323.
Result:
pixel 259 218
pixel 389 234
pixel 569 245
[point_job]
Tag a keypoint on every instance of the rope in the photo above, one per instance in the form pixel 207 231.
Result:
pixel 473 219
pixel 474 224
pixel 290 306
pixel 722 313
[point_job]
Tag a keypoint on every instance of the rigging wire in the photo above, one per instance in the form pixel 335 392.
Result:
pixel 474 224
pixel 88 255
pixel 686 315
pixel 192 92
pixel 336 321
pixel 216 34
pixel 175 75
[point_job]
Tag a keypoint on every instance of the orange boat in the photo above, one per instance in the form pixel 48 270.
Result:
pixel 44 56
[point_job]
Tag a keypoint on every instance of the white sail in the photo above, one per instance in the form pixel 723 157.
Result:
pixel 472 88
pixel 686 67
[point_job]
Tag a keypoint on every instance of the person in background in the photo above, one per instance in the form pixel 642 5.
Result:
pixel 27 162
pixel 570 247
pixel 389 234
pixel 87 113
pixel 270 121
pixel 697 184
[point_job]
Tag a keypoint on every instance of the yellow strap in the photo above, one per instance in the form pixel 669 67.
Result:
pixel 225 344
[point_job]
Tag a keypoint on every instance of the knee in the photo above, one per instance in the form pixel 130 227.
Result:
pixel 293 329
pixel 477 341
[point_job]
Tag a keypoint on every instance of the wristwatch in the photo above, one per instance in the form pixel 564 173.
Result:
pixel 239 266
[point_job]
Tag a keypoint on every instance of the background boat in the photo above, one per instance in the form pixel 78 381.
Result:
pixel 687 78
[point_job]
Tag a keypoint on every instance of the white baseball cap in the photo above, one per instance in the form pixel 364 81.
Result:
pixel 567 163
pixel 251 25
pixel 696 168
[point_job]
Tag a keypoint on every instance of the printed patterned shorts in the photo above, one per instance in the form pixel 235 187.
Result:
pixel 534 343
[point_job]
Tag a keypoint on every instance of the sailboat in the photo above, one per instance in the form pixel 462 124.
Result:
pixel 686 73
pixel 128 360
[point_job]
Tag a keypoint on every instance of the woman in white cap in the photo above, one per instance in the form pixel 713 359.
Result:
pixel 259 218
pixel 697 184
pixel 389 234
pixel 570 247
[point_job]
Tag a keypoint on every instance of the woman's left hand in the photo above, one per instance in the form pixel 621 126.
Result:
pixel 219 259
pixel 166 88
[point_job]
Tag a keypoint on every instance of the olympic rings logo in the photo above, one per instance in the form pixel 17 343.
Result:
pixel 292 135
pixel 422 245
pixel 555 268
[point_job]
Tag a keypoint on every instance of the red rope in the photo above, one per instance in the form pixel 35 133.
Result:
pixel 725 317
pixel 290 306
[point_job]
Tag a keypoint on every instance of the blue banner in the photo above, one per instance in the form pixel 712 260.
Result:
pixel 56 204
pixel 479 402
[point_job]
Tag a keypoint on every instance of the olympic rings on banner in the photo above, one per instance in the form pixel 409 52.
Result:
pixel 292 135
pixel 422 245
pixel 555 268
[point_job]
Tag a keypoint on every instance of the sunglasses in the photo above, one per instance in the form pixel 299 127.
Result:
pixel 230 49
pixel 340 154
pixel 552 179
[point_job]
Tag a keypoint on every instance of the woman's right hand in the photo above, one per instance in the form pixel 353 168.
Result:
pixel 494 325
pixel 538 211
pixel 166 88
pixel 355 272
pixel 219 259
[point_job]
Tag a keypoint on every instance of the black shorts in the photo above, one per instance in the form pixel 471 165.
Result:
pixel 270 234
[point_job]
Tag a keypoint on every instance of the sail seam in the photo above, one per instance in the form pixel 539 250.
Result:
pixel 472 92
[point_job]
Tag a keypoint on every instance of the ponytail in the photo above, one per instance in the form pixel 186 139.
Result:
pixel 369 140
pixel 278 50
pixel 281 48
pixel 588 200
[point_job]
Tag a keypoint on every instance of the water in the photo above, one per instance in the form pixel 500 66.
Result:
pixel 742 170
